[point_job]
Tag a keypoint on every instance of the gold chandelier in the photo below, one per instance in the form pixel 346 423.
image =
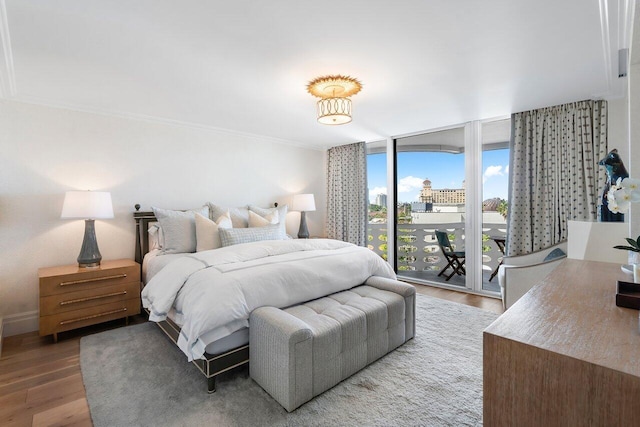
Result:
pixel 334 105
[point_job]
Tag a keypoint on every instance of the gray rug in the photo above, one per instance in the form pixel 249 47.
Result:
pixel 135 376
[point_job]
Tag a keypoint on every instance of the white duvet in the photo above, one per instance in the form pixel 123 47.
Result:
pixel 215 291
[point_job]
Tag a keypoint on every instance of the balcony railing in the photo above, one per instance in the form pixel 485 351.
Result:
pixel 418 249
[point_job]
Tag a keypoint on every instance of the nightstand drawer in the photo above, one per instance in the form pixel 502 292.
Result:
pixel 88 316
pixel 76 300
pixel 84 279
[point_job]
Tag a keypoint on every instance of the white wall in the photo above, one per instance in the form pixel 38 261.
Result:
pixel 46 151
pixel 634 142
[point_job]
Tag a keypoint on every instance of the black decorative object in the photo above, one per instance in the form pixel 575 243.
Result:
pixel 615 170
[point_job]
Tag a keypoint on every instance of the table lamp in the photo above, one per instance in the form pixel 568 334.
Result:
pixel 303 203
pixel 88 205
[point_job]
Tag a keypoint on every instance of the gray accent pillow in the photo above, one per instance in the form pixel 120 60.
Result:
pixel 282 216
pixel 179 229
pixel 235 236
pixel 554 254
pixel 239 215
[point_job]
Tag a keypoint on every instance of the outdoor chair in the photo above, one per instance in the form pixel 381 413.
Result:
pixel 455 259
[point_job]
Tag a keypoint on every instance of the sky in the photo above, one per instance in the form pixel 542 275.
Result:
pixel 444 170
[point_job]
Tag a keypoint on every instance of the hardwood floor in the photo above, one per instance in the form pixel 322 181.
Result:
pixel 41 383
pixel 486 303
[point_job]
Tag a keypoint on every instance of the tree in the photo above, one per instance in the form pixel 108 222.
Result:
pixel 503 208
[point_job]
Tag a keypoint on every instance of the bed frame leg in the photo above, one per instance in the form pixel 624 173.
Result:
pixel 211 385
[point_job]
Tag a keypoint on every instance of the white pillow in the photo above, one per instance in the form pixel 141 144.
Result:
pixel 234 236
pixel 179 229
pixel 239 215
pixel 256 220
pixel 207 234
pixel 282 216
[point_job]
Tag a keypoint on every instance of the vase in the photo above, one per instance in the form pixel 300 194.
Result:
pixel 634 263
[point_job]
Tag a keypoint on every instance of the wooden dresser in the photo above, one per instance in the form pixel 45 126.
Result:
pixel 565 354
pixel 72 297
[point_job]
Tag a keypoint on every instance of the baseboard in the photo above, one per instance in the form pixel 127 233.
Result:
pixel 20 323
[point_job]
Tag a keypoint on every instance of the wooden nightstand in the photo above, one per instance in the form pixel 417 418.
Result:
pixel 73 297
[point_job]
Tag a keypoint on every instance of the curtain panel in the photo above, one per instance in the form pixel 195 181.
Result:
pixel 554 172
pixel 347 193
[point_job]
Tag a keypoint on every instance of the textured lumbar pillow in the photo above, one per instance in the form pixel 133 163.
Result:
pixel 235 236
pixel 207 231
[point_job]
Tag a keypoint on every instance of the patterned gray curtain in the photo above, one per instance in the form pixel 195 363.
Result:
pixel 347 193
pixel 553 172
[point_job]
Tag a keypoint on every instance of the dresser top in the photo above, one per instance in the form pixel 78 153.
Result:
pixel 573 312
pixel 73 269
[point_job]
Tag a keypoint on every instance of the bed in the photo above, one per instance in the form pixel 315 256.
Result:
pixel 202 299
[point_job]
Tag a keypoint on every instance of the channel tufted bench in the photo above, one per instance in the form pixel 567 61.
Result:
pixel 301 351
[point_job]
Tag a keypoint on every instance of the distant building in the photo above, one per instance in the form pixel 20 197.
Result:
pixel 491 205
pixel 381 200
pixel 444 196
pixel 421 207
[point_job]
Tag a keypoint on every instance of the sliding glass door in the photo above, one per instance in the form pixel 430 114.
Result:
pixel 378 213
pixel 442 222
pixel 430 188
pixel 495 184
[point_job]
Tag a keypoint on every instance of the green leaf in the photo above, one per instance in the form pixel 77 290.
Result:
pixel 633 243
pixel 627 248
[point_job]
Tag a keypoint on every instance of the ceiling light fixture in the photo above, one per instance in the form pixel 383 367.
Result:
pixel 334 106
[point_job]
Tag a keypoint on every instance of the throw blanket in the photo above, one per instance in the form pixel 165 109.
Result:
pixel 215 291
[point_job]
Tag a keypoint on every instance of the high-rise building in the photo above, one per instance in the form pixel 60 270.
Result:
pixel 381 200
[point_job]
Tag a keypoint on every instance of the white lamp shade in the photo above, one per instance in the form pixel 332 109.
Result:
pixel 87 205
pixel 303 203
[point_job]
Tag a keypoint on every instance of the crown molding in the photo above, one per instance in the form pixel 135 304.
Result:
pixel 164 121
pixel 7 75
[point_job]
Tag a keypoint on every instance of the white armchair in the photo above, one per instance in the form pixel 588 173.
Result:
pixel 518 274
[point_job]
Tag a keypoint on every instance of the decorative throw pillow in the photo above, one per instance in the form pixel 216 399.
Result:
pixel 179 229
pixel 256 220
pixel 207 234
pixel 239 215
pixel 554 254
pixel 282 216
pixel 235 236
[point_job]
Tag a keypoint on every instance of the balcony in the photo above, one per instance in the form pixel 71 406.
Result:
pixel 419 256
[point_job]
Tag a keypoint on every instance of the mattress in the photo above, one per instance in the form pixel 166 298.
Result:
pixel 153 262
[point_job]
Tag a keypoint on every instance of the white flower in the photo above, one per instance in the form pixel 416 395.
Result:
pixel 622 194
pixel 630 183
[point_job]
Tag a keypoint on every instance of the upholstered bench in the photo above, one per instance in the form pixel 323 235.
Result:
pixel 301 351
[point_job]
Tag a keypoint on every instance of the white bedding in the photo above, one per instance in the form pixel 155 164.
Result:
pixel 215 291
pixel 154 261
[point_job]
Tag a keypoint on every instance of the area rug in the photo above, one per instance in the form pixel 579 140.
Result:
pixel 134 376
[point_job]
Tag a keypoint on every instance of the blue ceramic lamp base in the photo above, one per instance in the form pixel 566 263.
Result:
pixel 89 253
pixel 303 232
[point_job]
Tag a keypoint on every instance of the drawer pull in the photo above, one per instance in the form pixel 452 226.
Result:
pixel 80 319
pixel 75 301
pixel 95 279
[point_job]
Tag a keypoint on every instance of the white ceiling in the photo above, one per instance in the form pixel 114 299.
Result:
pixel 243 65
